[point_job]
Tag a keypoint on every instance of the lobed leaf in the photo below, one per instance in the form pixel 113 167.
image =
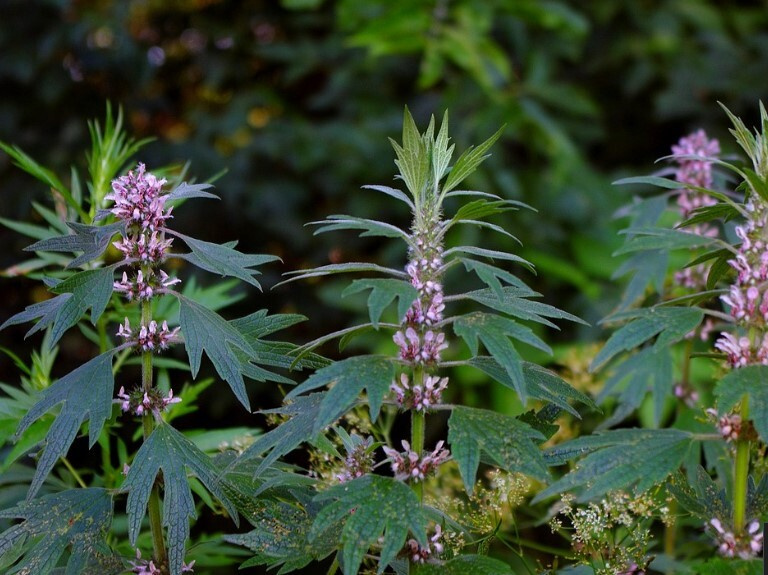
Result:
pixel 506 441
pixel 752 382
pixel 648 238
pixel 85 394
pixel 618 460
pixel 185 191
pixel 464 565
pixel 376 511
pixel 513 301
pixel 383 293
pixel 340 269
pixel 369 227
pixel 492 276
pixel 490 254
pixel 91 240
pixel 347 379
pixel 78 519
pixel 169 451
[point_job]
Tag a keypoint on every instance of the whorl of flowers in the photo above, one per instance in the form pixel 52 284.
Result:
pixel 746 298
pixel 140 402
pixel 412 465
pixel 744 546
pixel 358 462
pixel 147 567
pixel 419 397
pixel 418 554
pixel 695 172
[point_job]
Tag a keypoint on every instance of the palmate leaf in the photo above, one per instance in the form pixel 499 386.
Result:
pixel 280 538
pixel 169 451
pixel 621 459
pixel 348 378
pixel 505 441
pixel 701 496
pixel 76 518
pixel 652 238
pixel 89 289
pixel 464 565
pixel 494 332
pixel 649 268
pixel 514 301
pixel 492 276
pixel 91 240
pixel 750 381
pixel 540 383
pixel 185 191
pixel 369 227
pixel 302 414
pixel 670 324
pixel 383 293
pixel 377 511
pixel 85 394
pixel 223 259
pixel 205 330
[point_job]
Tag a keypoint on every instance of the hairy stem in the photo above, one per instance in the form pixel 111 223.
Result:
pixel 417 429
pixel 153 507
pixel 741 474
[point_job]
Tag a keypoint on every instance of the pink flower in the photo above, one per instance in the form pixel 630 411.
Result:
pixel 411 465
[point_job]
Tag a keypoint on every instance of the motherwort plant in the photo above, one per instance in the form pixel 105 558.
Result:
pixel 708 461
pixel 378 507
pixel 67 515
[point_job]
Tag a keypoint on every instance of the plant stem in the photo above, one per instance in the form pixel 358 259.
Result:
pixel 153 506
pixel 417 429
pixel 741 474
pixel 74 472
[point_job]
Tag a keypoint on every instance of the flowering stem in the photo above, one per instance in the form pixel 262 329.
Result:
pixel 417 428
pixel 153 506
pixel 741 474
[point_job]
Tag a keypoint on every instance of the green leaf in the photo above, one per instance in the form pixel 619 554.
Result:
pixel 701 496
pixel 370 227
pixel 493 276
pixel 341 269
pixel 205 330
pixel 619 460
pixel 393 193
pixel 514 302
pixel 185 191
pixel 377 511
pixel 92 380
pixel 506 441
pixel 468 162
pixel 302 414
pixel 89 289
pixel 464 565
pixel 479 209
pixel 540 383
pixel 412 158
pixel 643 239
pixel 720 566
pixel 91 240
pixel 651 181
pixel 224 260
pixel 494 332
pixel 383 293
pixel 169 451
pixel 347 379
pixel 670 324
pixel 751 381
pixel 36 232
pixel 260 324
pixel 77 518
pixel 490 254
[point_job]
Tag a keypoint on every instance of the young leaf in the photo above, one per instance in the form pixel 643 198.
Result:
pixel 185 191
pixel 369 227
pixel 494 332
pixel 348 378
pixel 643 239
pixel 169 451
pixel 412 158
pixel 383 293
pixel 493 276
pixel 204 330
pixel 397 194
pixel 619 460
pixel 464 565
pixel 468 162
pixel 506 442
pixel 746 381
pixel 378 510
pixel 76 518
pixel 670 324
pixel 85 394
pixel 513 301
pixel 341 269
pixel 224 260
pixel 302 414
pixel 91 240
pixel 490 254
pixel 540 383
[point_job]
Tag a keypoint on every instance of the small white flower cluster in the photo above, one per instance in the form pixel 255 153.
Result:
pixel 419 554
pixel 411 465
pixel 144 402
pixel 142 288
pixel 729 425
pixel 745 546
pixel 419 397
pixel 151 337
pixel 420 349
pixel 357 463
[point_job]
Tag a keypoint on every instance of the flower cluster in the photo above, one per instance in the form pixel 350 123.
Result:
pixel 746 299
pixel 140 288
pixel 147 567
pixel 142 402
pixel 420 342
pixel 695 172
pixel 418 554
pixel 419 397
pixel 745 546
pixel 151 337
pixel 358 462
pixel 412 465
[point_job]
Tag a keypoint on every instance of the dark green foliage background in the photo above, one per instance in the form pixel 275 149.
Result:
pixel 296 100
